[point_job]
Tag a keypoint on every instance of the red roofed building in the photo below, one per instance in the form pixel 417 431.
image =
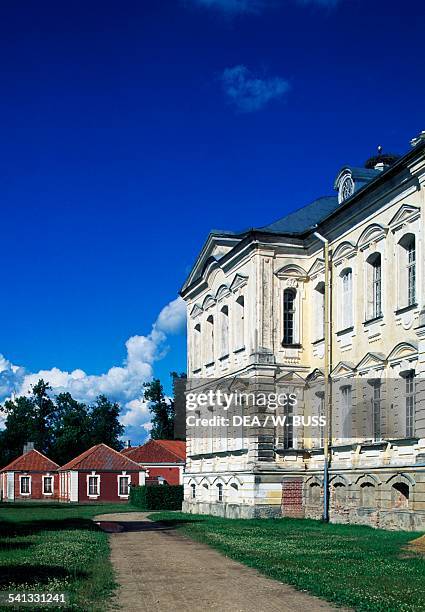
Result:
pixel 32 476
pixel 100 474
pixel 163 459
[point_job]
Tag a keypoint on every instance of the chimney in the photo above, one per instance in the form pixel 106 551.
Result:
pixel 128 444
pixel 29 446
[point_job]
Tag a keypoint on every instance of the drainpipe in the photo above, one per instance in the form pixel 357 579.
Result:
pixel 328 406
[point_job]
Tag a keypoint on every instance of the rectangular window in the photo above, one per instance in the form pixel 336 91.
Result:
pixel 347 299
pixel 220 492
pixel 377 292
pixel 48 485
pixel 288 316
pixel 410 405
pixel 376 411
pixel 288 430
pixel 411 273
pixel 323 415
pixel 346 411
pixel 93 485
pixel 124 485
pixel 25 485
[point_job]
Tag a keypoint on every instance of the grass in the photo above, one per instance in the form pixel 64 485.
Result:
pixel 354 566
pixel 56 547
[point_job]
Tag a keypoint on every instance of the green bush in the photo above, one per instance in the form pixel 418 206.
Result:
pixel 157 497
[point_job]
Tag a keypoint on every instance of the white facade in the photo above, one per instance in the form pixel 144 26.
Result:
pixel 256 309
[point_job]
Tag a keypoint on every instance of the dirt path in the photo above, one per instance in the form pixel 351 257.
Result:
pixel 160 570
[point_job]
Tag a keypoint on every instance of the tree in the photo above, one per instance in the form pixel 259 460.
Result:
pixel 71 429
pixel 28 418
pixel 104 424
pixel 60 427
pixel 162 410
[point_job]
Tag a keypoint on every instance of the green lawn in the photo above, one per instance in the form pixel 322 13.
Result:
pixel 56 547
pixel 358 567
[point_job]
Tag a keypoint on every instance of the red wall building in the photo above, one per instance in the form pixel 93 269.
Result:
pixel 164 460
pixel 32 476
pixel 100 474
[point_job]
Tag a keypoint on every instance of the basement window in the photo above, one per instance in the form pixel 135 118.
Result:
pixel 400 495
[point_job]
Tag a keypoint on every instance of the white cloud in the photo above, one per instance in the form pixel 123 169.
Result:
pixel 122 383
pixel 172 317
pixel 249 92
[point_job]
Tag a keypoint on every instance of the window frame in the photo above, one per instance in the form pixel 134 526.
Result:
pixel 45 478
pixel 289 314
pixel 97 478
pixel 26 477
pixel 410 403
pixel 121 477
pixel 347 299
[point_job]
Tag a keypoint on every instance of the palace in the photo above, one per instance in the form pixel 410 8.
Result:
pixel 256 316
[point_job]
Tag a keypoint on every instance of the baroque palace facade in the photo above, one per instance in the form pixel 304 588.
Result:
pixel 256 312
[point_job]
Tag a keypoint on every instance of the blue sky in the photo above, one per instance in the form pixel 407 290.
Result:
pixel 130 130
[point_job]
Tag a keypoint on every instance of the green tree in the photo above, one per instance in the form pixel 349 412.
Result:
pixel 162 410
pixel 28 419
pixel 71 429
pixel 104 426
pixel 60 427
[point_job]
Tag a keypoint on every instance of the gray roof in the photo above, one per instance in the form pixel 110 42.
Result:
pixel 303 219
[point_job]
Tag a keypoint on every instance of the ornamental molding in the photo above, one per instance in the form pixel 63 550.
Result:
pixel 208 302
pixel 404 350
pixel 222 292
pixel 372 234
pixel 344 250
pixel 238 282
pixel 317 268
pixel 371 360
pixel 405 214
pixel 292 270
pixel 196 311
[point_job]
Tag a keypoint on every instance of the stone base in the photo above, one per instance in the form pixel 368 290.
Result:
pixel 233 511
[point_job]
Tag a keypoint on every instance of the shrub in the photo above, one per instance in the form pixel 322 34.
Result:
pixel 157 497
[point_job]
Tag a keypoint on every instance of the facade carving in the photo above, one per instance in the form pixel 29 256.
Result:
pixel 256 313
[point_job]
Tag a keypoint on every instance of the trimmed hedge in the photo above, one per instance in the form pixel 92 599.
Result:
pixel 157 497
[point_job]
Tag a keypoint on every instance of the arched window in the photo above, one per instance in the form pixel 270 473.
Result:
pixel 314 493
pixel 407 270
pixel 400 494
pixel 340 493
pixel 219 492
pixel 224 331
pixel 239 323
pixel 197 346
pixel 367 495
pixel 233 492
pixel 289 296
pixel 374 286
pixel 209 340
pixel 347 298
pixel 193 487
pixel 319 301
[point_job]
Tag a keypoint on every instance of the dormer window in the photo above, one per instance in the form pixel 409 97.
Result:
pixel 346 189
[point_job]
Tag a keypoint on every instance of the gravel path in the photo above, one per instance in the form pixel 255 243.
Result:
pixel 160 570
